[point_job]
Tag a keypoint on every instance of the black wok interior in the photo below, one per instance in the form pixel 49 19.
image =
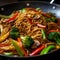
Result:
pixel 45 6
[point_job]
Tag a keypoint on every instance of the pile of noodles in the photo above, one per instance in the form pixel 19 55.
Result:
pixel 26 23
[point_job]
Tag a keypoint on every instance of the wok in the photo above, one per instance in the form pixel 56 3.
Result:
pixel 45 6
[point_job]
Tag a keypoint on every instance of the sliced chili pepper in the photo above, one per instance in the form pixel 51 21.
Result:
pixel 12 19
pixel 18 49
pixel 35 52
pixel 21 46
pixel 41 26
pixel 47 49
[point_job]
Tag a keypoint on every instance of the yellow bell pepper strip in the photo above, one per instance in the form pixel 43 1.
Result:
pixel 47 49
pixel 2 38
pixel 18 49
pixel 35 52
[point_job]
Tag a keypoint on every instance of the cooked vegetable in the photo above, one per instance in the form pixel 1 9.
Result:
pixel 8 53
pixel 2 38
pixel 27 41
pixel 14 33
pixel 23 10
pixel 2 45
pixel 54 36
pixel 47 49
pixel 43 34
pixel 41 26
pixel 52 19
pixel 12 18
pixel 21 46
pixel 1 28
pixel 7 48
pixel 46 15
pixel 18 49
pixel 57 30
pixel 38 8
pixel 4 16
pixel 1 51
pixel 58 46
pixel 36 51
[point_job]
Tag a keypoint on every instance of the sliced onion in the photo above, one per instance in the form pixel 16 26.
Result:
pixel 1 27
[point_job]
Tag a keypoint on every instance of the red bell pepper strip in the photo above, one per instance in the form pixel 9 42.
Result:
pixel 21 46
pixel 35 52
pixel 12 18
pixel 41 26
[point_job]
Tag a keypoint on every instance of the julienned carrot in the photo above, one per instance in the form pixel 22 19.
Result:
pixel 35 52
pixel 21 46
pixel 20 42
pixel 57 30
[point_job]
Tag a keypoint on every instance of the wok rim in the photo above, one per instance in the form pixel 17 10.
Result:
pixel 6 4
pixel 58 5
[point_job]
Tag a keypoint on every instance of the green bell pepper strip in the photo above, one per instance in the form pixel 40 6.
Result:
pixel 43 34
pixel 4 16
pixel 38 8
pixel 18 49
pixel 23 10
pixel 8 53
pixel 47 49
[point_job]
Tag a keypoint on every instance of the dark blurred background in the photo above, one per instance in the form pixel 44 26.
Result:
pixel 10 1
